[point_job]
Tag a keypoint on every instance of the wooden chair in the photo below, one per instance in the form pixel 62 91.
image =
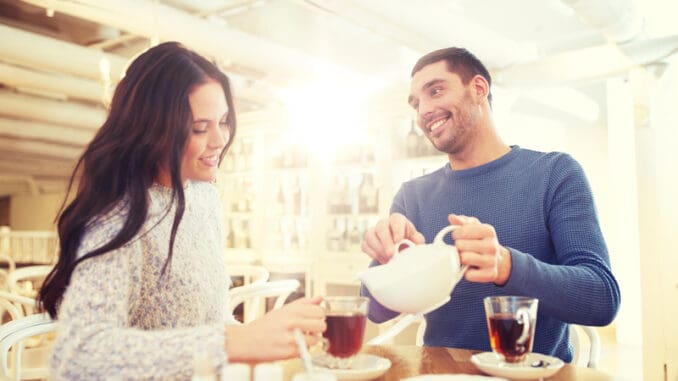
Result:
pixel 256 292
pixel 18 362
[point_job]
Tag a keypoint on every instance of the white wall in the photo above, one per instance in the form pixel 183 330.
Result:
pixel 34 212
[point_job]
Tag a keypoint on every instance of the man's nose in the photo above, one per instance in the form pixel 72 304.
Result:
pixel 425 110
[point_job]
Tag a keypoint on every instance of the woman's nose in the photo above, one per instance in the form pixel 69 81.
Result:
pixel 218 138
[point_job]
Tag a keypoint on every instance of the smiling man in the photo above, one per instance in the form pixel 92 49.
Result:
pixel 528 221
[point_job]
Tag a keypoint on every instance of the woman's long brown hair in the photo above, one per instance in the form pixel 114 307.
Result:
pixel 148 125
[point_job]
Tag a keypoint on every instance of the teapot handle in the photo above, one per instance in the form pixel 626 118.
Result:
pixel 439 239
pixel 441 234
pixel 404 242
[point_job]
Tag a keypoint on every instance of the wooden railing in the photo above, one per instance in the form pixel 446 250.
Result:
pixel 29 246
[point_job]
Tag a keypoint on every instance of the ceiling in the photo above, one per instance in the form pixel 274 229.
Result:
pixel 59 60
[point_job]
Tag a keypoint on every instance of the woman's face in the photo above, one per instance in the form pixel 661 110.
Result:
pixel 209 132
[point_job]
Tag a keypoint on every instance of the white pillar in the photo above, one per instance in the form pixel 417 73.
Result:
pixel 623 242
pixel 659 239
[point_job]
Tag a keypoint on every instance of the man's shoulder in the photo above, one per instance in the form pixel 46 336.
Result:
pixel 548 158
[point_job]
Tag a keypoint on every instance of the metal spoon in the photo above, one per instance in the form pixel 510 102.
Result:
pixel 303 351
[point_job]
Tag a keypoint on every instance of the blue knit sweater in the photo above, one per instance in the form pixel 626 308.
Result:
pixel 541 207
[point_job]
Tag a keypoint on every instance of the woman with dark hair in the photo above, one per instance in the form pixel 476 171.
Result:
pixel 141 283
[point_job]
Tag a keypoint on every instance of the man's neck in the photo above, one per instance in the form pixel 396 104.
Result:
pixel 485 147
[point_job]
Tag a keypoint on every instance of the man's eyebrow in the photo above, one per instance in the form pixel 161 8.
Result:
pixel 432 82
pixel 411 99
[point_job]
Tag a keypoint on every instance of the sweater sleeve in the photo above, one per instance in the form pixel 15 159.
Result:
pixel 95 340
pixel 579 288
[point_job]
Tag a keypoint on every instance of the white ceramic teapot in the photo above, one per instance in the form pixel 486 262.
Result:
pixel 417 280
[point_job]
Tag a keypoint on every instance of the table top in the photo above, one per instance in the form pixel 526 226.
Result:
pixel 411 360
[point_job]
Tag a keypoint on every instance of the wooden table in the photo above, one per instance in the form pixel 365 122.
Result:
pixel 411 360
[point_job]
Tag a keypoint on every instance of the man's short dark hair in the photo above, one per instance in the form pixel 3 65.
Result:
pixel 459 61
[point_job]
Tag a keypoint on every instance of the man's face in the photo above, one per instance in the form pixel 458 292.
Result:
pixel 446 111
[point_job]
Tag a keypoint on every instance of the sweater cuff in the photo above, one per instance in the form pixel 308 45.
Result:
pixel 520 272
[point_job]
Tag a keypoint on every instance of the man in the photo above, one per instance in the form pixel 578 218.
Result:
pixel 528 221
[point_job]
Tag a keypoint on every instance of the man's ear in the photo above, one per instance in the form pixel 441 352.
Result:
pixel 480 88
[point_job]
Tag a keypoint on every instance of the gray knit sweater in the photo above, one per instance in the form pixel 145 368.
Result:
pixel 118 320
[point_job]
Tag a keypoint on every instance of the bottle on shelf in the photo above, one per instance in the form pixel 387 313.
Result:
pixel 412 141
pixel 236 154
pixel 246 242
pixel 280 198
pixel 334 198
pixel 297 196
pixel 354 237
pixel 335 236
pixel 230 235
pixel 369 195
pixel 247 146
pixel 344 196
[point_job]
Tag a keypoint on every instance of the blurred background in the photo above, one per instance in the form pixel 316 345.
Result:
pixel 326 136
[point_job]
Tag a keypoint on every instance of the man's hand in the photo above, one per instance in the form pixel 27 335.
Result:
pixel 479 248
pixel 379 242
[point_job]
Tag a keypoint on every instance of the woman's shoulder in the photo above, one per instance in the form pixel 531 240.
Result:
pixel 102 228
pixel 202 187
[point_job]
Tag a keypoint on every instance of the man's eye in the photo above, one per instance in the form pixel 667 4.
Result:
pixel 436 91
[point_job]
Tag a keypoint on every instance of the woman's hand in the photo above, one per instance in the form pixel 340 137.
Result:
pixel 271 337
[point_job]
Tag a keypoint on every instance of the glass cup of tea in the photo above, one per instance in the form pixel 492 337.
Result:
pixel 510 323
pixel 346 317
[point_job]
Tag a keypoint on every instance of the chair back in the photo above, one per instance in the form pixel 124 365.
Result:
pixel 256 292
pixel 12 337
pixel 16 306
pixel 586 351
pixel 249 273
pixel 400 324
pixel 4 272
pixel 27 280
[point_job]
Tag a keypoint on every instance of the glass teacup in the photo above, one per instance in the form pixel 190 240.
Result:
pixel 346 317
pixel 510 322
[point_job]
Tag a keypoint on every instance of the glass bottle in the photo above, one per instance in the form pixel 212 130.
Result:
pixel 369 196
pixel 412 141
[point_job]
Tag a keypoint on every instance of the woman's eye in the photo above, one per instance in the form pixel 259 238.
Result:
pixel 199 127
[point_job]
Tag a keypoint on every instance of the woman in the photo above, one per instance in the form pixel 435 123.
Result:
pixel 141 284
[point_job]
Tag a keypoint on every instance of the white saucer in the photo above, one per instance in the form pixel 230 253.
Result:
pixel 364 367
pixel 452 377
pixel 494 365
